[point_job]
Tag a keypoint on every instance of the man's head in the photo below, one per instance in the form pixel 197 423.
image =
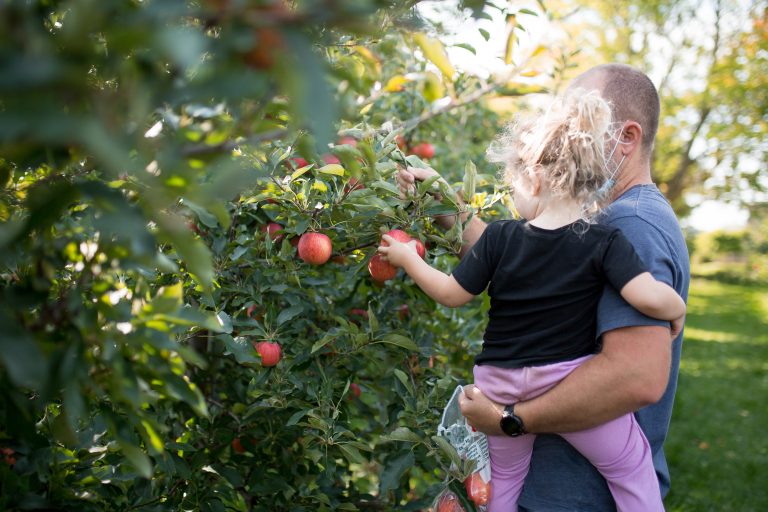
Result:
pixel 632 97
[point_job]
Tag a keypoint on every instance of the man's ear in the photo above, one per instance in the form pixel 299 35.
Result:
pixel 631 138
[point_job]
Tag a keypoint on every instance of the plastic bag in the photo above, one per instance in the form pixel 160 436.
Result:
pixel 470 445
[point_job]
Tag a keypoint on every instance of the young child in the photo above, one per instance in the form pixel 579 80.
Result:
pixel 545 274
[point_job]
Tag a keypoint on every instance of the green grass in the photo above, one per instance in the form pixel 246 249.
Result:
pixel 718 441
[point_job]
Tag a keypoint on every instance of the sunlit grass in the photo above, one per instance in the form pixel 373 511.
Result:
pixel 718 442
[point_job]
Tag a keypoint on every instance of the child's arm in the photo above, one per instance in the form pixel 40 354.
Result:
pixel 655 299
pixel 441 287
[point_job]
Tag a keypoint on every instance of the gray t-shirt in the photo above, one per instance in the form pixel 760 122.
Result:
pixel 560 478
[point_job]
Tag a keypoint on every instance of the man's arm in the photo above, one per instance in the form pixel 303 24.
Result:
pixel 630 372
pixel 407 178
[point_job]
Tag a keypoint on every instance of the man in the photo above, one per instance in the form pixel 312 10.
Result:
pixel 637 366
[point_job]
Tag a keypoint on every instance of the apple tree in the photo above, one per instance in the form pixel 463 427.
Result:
pixel 191 194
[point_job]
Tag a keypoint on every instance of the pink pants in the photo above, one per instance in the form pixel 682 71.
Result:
pixel 618 449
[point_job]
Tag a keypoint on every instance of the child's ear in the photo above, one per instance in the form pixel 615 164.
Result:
pixel 535 179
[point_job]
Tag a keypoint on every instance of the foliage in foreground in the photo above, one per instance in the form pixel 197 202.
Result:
pixel 145 148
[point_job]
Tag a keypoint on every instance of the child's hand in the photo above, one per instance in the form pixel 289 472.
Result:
pixel 676 327
pixel 397 253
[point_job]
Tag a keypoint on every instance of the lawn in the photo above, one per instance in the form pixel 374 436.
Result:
pixel 718 442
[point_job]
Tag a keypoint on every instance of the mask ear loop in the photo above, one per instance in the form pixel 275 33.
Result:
pixel 610 182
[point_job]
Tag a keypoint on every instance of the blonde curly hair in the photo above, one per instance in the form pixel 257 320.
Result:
pixel 566 145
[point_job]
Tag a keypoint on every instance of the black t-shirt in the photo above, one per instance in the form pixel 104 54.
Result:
pixel 544 287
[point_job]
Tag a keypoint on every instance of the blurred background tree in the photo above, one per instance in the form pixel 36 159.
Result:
pixel 708 61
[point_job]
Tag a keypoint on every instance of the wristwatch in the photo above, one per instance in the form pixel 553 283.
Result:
pixel 511 423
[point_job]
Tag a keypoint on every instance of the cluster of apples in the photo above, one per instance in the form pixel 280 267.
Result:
pixel 381 270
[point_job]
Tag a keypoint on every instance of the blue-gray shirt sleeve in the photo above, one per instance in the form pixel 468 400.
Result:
pixel 613 311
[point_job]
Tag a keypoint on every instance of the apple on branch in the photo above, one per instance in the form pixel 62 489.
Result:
pixel 315 248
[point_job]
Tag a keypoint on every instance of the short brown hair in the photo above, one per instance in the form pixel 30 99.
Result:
pixel 632 97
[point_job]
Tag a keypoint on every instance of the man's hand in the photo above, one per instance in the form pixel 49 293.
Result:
pixel 481 412
pixel 407 178
pixel 677 327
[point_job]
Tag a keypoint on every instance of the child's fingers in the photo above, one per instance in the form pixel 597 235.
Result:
pixel 387 239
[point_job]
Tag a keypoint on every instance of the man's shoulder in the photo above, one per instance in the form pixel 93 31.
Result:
pixel 643 204
pixel 644 215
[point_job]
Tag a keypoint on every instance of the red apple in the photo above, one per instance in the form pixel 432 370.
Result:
pixel 270 352
pixel 255 312
pixel 420 248
pixel 359 312
pixel 191 225
pixel 381 270
pixel 299 162
pixel 449 502
pixel 268 45
pixel 347 139
pixel 330 159
pixel 423 150
pixel 353 184
pixel 315 248
pixel 403 311
pixel 237 446
pixel 399 235
pixel 401 142
pixel 355 390
pixel 478 490
pixel 272 228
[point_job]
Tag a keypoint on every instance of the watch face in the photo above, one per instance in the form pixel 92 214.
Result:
pixel 511 424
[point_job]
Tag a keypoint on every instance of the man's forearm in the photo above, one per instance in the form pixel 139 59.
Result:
pixel 630 372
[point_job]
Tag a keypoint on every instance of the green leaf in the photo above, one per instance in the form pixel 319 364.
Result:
pixel 167 300
pixel 185 390
pixel 204 215
pixel 434 50
pixel 321 343
pixel 295 417
pixel 486 35
pixel 225 322
pixel 402 377
pixel 300 171
pixel 383 185
pixel 334 169
pixel 415 161
pixel 448 450
pixel 137 458
pixel 470 178
pixel 394 469
pixel 467 47
pixel 20 354
pixel 401 434
pixel 192 251
pixel 303 76
pixel 288 314
pixel 373 322
pixel 400 341
pixel 352 454
pixel 239 347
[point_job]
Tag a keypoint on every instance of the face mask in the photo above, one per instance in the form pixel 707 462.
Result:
pixel 610 182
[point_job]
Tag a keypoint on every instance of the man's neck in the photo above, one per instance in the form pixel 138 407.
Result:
pixel 632 176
